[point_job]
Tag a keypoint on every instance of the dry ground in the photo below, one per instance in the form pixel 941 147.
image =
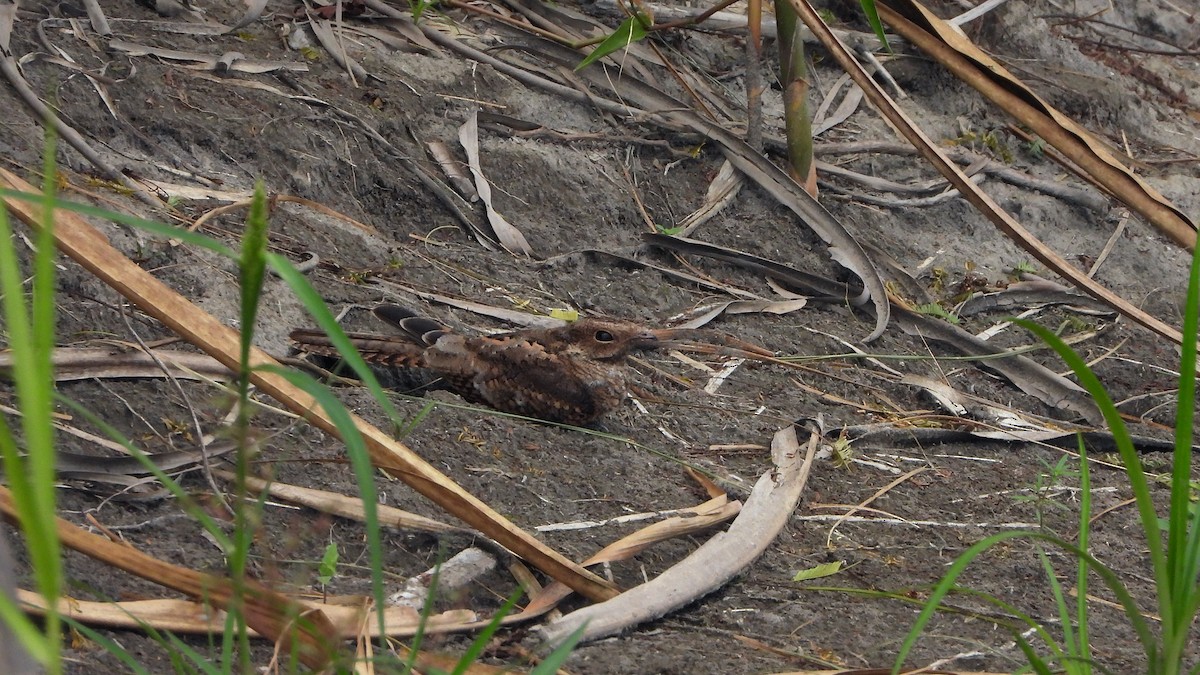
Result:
pixel 578 192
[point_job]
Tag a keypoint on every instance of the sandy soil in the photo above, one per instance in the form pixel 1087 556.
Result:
pixel 578 192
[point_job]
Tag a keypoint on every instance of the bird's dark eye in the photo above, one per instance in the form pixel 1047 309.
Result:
pixel 604 336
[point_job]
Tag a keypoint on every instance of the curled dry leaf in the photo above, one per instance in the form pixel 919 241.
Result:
pixel 208 61
pixel 508 235
pixel 706 314
pixel 722 557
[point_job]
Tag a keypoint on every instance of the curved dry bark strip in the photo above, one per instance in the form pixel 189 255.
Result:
pixel 505 232
pixel 953 50
pixel 1023 295
pixel 817 287
pixel 88 363
pixel 189 617
pixel 1028 375
pixel 888 435
pixel 726 554
pixel 1031 376
pixel 1079 196
pixel 87 246
pixel 68 464
pixel 979 199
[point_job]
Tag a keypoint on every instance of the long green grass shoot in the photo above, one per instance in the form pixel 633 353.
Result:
pixel 31 478
pixel 1173 541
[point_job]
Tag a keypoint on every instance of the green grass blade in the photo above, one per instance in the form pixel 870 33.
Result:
pixel 108 645
pixel 253 267
pixel 24 630
pixel 555 660
pixel 1129 457
pixel 868 7
pixel 945 585
pixel 631 30
pixel 188 504
pixel 1183 522
pixel 1036 662
pixel 1060 603
pixel 1083 646
pixel 31 479
pixel 364 474
pixel 481 641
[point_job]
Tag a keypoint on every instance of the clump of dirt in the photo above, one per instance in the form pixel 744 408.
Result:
pixel 582 182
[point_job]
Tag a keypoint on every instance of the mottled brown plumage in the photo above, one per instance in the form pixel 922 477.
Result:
pixel 572 374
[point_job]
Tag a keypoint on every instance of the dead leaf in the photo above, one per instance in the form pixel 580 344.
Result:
pixel 508 236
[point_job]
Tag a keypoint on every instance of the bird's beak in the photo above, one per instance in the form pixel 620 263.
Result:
pixel 647 340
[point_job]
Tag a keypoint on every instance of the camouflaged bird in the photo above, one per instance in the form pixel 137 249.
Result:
pixel 572 374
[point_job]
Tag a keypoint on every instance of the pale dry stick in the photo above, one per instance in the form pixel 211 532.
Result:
pixel 198 618
pixel 1109 245
pixel 92 250
pixel 1107 353
pixel 1105 512
pixel 864 509
pixel 1074 593
pixel 876 67
pixel 920 202
pixel 343 506
pixel 978 11
pixel 822 122
pixel 879 493
pixel 618 520
pixel 1013 525
pixel 884 185
pixel 316 206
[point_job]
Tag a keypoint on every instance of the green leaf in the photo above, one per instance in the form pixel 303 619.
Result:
pixel 818 572
pixel 328 565
pixel 558 657
pixel 868 7
pixel 631 30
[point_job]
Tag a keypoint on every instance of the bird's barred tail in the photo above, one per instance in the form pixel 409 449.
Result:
pixel 420 329
pixel 377 349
